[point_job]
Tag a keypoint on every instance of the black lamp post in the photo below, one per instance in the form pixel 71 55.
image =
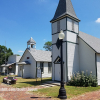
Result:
pixel 62 91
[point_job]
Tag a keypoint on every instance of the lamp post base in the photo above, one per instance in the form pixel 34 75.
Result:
pixel 62 93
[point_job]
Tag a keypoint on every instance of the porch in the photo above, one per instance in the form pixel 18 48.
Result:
pixel 9 68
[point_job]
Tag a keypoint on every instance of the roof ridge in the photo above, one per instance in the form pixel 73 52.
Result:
pixel 90 35
pixel 39 50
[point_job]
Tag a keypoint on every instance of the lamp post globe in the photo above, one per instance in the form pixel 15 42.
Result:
pixel 62 91
pixel 61 35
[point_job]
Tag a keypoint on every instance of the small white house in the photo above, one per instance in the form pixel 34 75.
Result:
pixel 11 66
pixel 81 51
pixel 33 58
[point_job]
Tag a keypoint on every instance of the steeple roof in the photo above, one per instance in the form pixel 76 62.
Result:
pixel 65 7
pixel 31 41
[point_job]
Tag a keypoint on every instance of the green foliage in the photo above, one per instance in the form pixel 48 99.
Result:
pixel 4 50
pixel 83 79
pixel 17 54
pixel 48 46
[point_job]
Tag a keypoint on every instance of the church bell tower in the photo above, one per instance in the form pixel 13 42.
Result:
pixel 31 43
pixel 65 19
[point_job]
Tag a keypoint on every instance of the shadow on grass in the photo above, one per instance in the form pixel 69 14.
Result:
pixel 35 83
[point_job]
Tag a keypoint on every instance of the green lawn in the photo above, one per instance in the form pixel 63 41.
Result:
pixel 29 82
pixel 71 91
pixel 52 91
pixel 1 78
pixel 21 82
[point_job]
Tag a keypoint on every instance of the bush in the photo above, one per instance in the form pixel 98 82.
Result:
pixel 81 79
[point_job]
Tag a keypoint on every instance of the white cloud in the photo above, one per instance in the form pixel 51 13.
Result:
pixel 44 39
pixel 20 51
pixel 98 20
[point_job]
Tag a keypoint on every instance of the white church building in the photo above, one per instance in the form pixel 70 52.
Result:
pixel 81 51
pixel 32 59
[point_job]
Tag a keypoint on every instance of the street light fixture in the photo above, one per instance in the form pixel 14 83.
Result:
pixel 62 91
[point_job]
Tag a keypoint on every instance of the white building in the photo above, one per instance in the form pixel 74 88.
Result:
pixel 33 58
pixel 11 66
pixel 81 51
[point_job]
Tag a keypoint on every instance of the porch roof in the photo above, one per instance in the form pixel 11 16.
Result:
pixel 24 63
pixel 8 64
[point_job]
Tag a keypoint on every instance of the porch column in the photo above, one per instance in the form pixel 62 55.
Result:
pixel 7 70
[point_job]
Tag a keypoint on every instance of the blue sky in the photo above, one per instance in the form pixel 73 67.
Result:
pixel 22 19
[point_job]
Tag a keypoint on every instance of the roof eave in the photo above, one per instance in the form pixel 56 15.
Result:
pixel 64 16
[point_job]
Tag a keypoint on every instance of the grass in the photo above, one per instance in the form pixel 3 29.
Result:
pixel 52 91
pixel 22 83
pixel 1 78
pixel 29 82
pixel 71 91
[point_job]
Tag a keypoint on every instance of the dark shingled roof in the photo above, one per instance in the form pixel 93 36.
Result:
pixel 64 7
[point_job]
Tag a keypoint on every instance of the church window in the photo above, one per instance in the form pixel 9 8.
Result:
pixel 72 25
pixel 58 26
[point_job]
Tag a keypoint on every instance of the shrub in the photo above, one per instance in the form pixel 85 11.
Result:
pixel 83 79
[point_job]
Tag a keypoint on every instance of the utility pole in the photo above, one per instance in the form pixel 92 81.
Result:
pixel 5 52
pixel 5 55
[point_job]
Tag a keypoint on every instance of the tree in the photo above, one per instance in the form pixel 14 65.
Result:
pixel 17 54
pixel 48 46
pixel 4 51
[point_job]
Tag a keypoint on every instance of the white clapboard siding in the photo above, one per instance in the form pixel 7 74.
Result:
pixel 14 58
pixel 19 73
pixel 16 69
pixel 87 57
pixel 98 68
pixel 32 67
pixel 3 69
pixel 73 59
pixel 46 74
pixel 26 71
pixel 72 37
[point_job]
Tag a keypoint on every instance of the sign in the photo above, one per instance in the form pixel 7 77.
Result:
pixel 38 72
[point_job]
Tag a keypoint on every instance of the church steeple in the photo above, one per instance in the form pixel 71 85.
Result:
pixel 65 8
pixel 31 42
